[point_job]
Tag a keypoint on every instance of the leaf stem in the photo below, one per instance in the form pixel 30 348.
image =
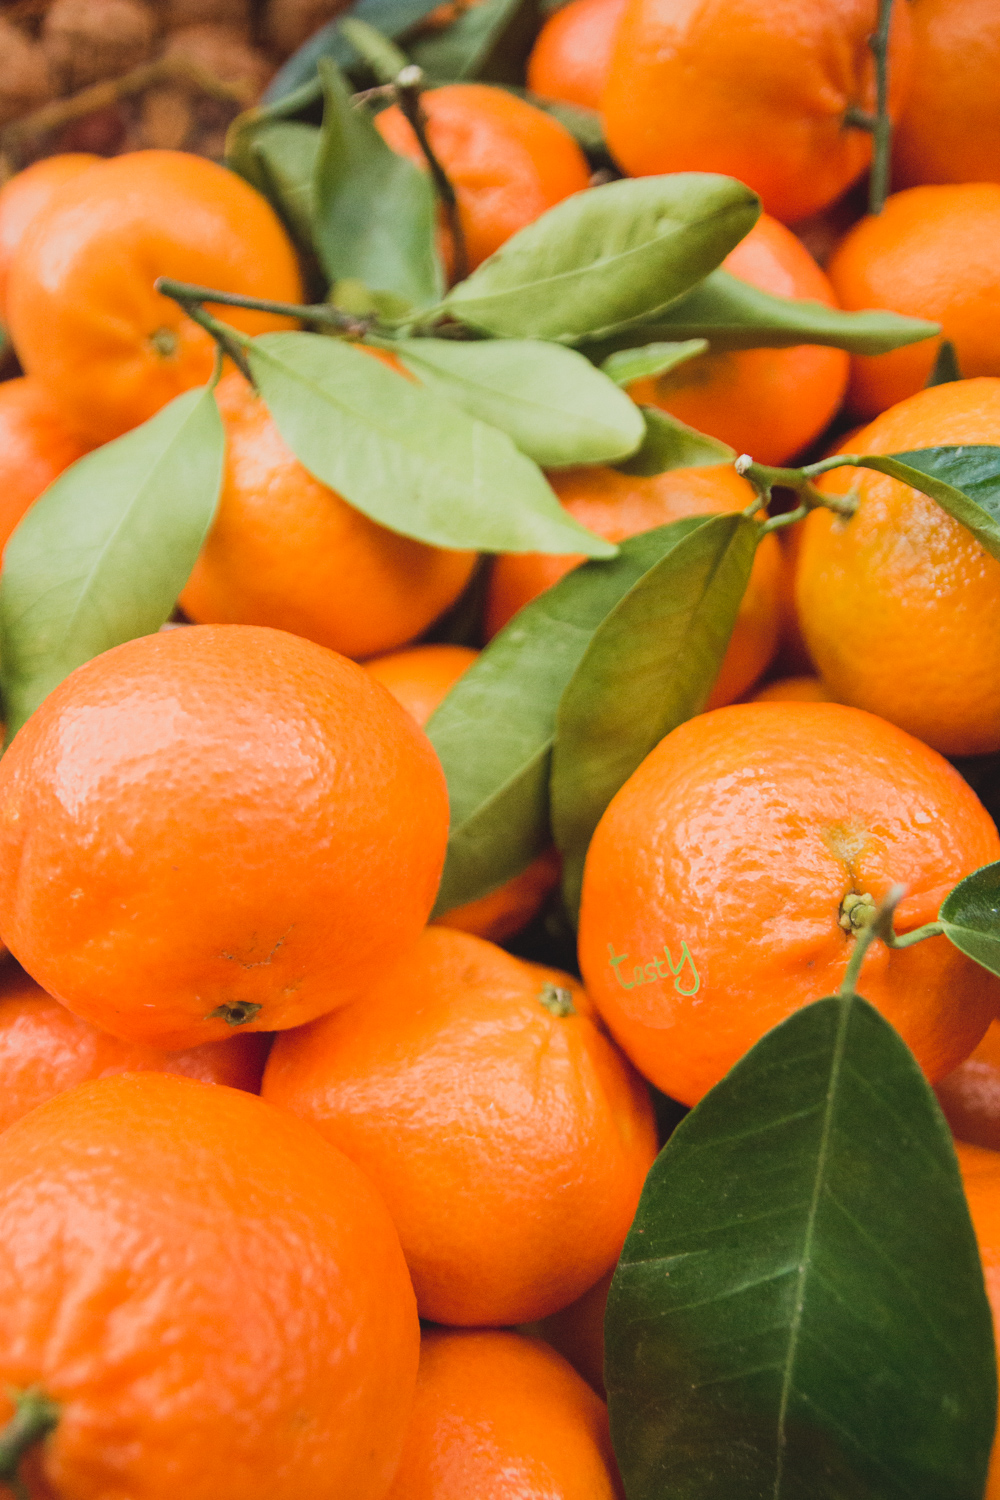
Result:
pixel 880 926
pixel 313 312
pixel 409 83
pixel 878 42
pixel 34 1417
pixel 228 340
pixel 764 477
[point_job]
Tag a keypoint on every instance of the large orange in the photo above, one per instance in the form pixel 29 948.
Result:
pixel 767 402
pixel 930 253
pixel 970 1094
pixel 572 54
pixel 35 447
pixel 981 1177
pixel 758 89
pixel 507 161
pixel 715 885
pixel 507 1135
pixel 24 196
pixel 900 605
pixel 285 550
pixel 255 832
pixel 949 130
pixel 83 313
pixel 213 1297
pixel 617 506
pixel 501 1417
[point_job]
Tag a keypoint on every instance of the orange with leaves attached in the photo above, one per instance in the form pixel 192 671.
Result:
pixel 24 196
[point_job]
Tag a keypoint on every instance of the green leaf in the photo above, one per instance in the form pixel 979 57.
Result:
pixel 374 47
pixel 490 40
pixel 963 479
pixel 799 1310
pixel 101 557
pixel 671 444
pixel 601 258
pixel 245 128
pixel 283 157
pixel 494 730
pixel 970 916
pixel 551 401
pixel 650 665
pixel 375 211
pixel 393 18
pixel 406 457
pixel 946 367
pixel 650 359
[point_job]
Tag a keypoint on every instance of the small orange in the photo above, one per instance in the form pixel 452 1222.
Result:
pixel 24 196
pixel 421 676
pixel 35 447
pixel 504 911
pixel 508 1137
pixel 502 1417
pixel 950 128
pixel 758 89
pixel 793 690
pixel 617 506
pixel 213 1297
pixel 970 1094
pixel 572 54
pixel 577 1332
pixel 899 604
pixel 714 894
pixel 981 1177
pixel 255 832
pixel 930 253
pixel 287 551
pixel 507 161
pixel 83 313
pixel 768 402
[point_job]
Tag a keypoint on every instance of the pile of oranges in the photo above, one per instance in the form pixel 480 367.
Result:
pixel 309 1188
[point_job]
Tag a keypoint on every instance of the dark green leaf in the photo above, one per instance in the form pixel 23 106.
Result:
pixel 971 916
pixel 946 368
pixel 394 18
pixel 799 1310
pixel 374 47
pixel 648 360
pixel 101 557
pixel 551 401
pixel 375 211
pixel 284 160
pixel 246 126
pixel 650 665
pixel 963 479
pixel 601 258
pixel 670 444
pixel 494 730
pixel 405 456
pixel 490 40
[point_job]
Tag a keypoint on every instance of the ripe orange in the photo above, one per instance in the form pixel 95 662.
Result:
pixel 24 196
pixel 507 161
pixel 83 314
pixel 511 906
pixel 768 402
pixel 714 888
pixel 618 505
pixel 421 676
pixel 949 130
pixel 285 550
pixel 214 1298
pixel 981 1177
pixel 970 1094
pixel 577 1332
pixel 35 447
pixel 498 1416
pixel 899 604
pixel 255 832
pixel 572 54
pixel 793 690
pixel 930 253
pixel 758 89
pixel 506 1134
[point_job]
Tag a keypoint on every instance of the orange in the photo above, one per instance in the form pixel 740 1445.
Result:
pixel 899 604
pixel 45 1049
pixel 618 505
pixel 577 1332
pixel 970 1095
pixel 506 1134
pixel 572 54
pixel 421 676
pixel 285 550
pixel 255 831
pixel 714 893
pixel 24 196
pixel 757 89
pixel 950 128
pixel 511 906
pixel 792 656
pixel 930 253
pixel 213 1297
pixel 793 690
pixel 767 402
pixel 507 161
pixel 498 1416
pixel 35 447
pixel 83 314
pixel 981 1177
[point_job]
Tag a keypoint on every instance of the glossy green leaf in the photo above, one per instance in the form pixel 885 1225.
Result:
pixel 650 665
pixel 284 159
pixel 970 916
pixel 650 359
pixel 101 557
pixel 490 40
pixel 799 1310
pixel 375 214
pixel 601 258
pixel 550 400
pixel 963 479
pixel 394 18
pixel 946 367
pixel 404 455
pixel 494 730
pixel 670 444
pixel 374 48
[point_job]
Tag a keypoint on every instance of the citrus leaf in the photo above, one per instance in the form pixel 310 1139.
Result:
pixel 101 557
pixel 946 367
pixel 670 444
pixel 244 129
pixel 375 214
pixel 650 359
pixel 651 664
pixel 283 157
pixel 970 916
pixel 406 457
pixel 374 48
pixel 394 18
pixel 490 41
pixel 963 479
pixel 799 1310
pixel 601 258
pixel 551 401
pixel 493 732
